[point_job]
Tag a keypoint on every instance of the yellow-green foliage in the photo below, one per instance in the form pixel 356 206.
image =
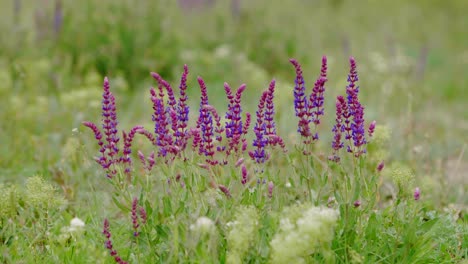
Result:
pixel 403 176
pixel 9 199
pixel 379 145
pixel 241 233
pixel 41 195
pixel 303 229
pixel 70 149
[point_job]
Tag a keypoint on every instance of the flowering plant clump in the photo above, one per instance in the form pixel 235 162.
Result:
pixel 301 232
pixel 207 166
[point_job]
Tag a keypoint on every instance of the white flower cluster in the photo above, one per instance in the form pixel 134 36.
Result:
pixel 302 233
pixel 241 234
pixel 203 225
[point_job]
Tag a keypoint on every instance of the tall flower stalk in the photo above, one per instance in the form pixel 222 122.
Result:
pixel 350 119
pixel 309 108
pixel 110 156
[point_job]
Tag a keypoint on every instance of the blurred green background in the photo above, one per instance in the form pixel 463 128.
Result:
pixel 412 61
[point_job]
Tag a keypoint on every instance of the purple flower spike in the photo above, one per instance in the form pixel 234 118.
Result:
pixel 182 112
pixel 315 105
pixel 316 100
pixel 142 158
pixel 218 129
pixel 356 111
pixel 109 124
pixel 164 84
pixel 245 175
pixel 163 138
pixel 338 129
pixel 270 125
pixel 234 126
pixel 323 70
pixel 128 139
pixel 300 101
pixel 371 128
pixel 205 124
pixel 260 141
pixel 134 217
pixel 108 243
pixel 143 215
pixel 225 190
pixel 109 148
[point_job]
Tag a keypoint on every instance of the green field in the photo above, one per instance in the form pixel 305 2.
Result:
pixel 297 205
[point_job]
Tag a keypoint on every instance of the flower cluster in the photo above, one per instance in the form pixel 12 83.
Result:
pixel 215 141
pixel 110 152
pixel 302 231
pixel 136 219
pixel 310 108
pixel 235 129
pixel 241 233
pixel 265 127
pixel 304 228
pixel 171 121
pixel 350 119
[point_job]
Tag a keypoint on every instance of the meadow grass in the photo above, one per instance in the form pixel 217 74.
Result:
pixel 411 61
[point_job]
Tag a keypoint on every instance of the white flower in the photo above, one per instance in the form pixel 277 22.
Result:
pixel 287 185
pixel 203 224
pixel 299 235
pixel 76 224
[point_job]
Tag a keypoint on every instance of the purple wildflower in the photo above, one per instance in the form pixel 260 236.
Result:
pixel 356 111
pixel 230 113
pixel 380 166
pixel 108 243
pixel 109 150
pixel 245 130
pixel 234 126
pixel 371 129
pixel 109 124
pixel 225 190
pixel 205 124
pixel 271 185
pixel 338 128
pixel 357 203
pixel 316 99
pixel 324 68
pixel 195 134
pixel 245 175
pixel 128 139
pixel 260 141
pixel 218 129
pixel 239 162
pixel 270 126
pixel 300 101
pixel 135 223
pixel 142 158
pixel 151 161
pixel 417 194
pixel 164 84
pixel 163 139
pixel 143 215
pixel 182 112
pixel 309 109
pixel 148 135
